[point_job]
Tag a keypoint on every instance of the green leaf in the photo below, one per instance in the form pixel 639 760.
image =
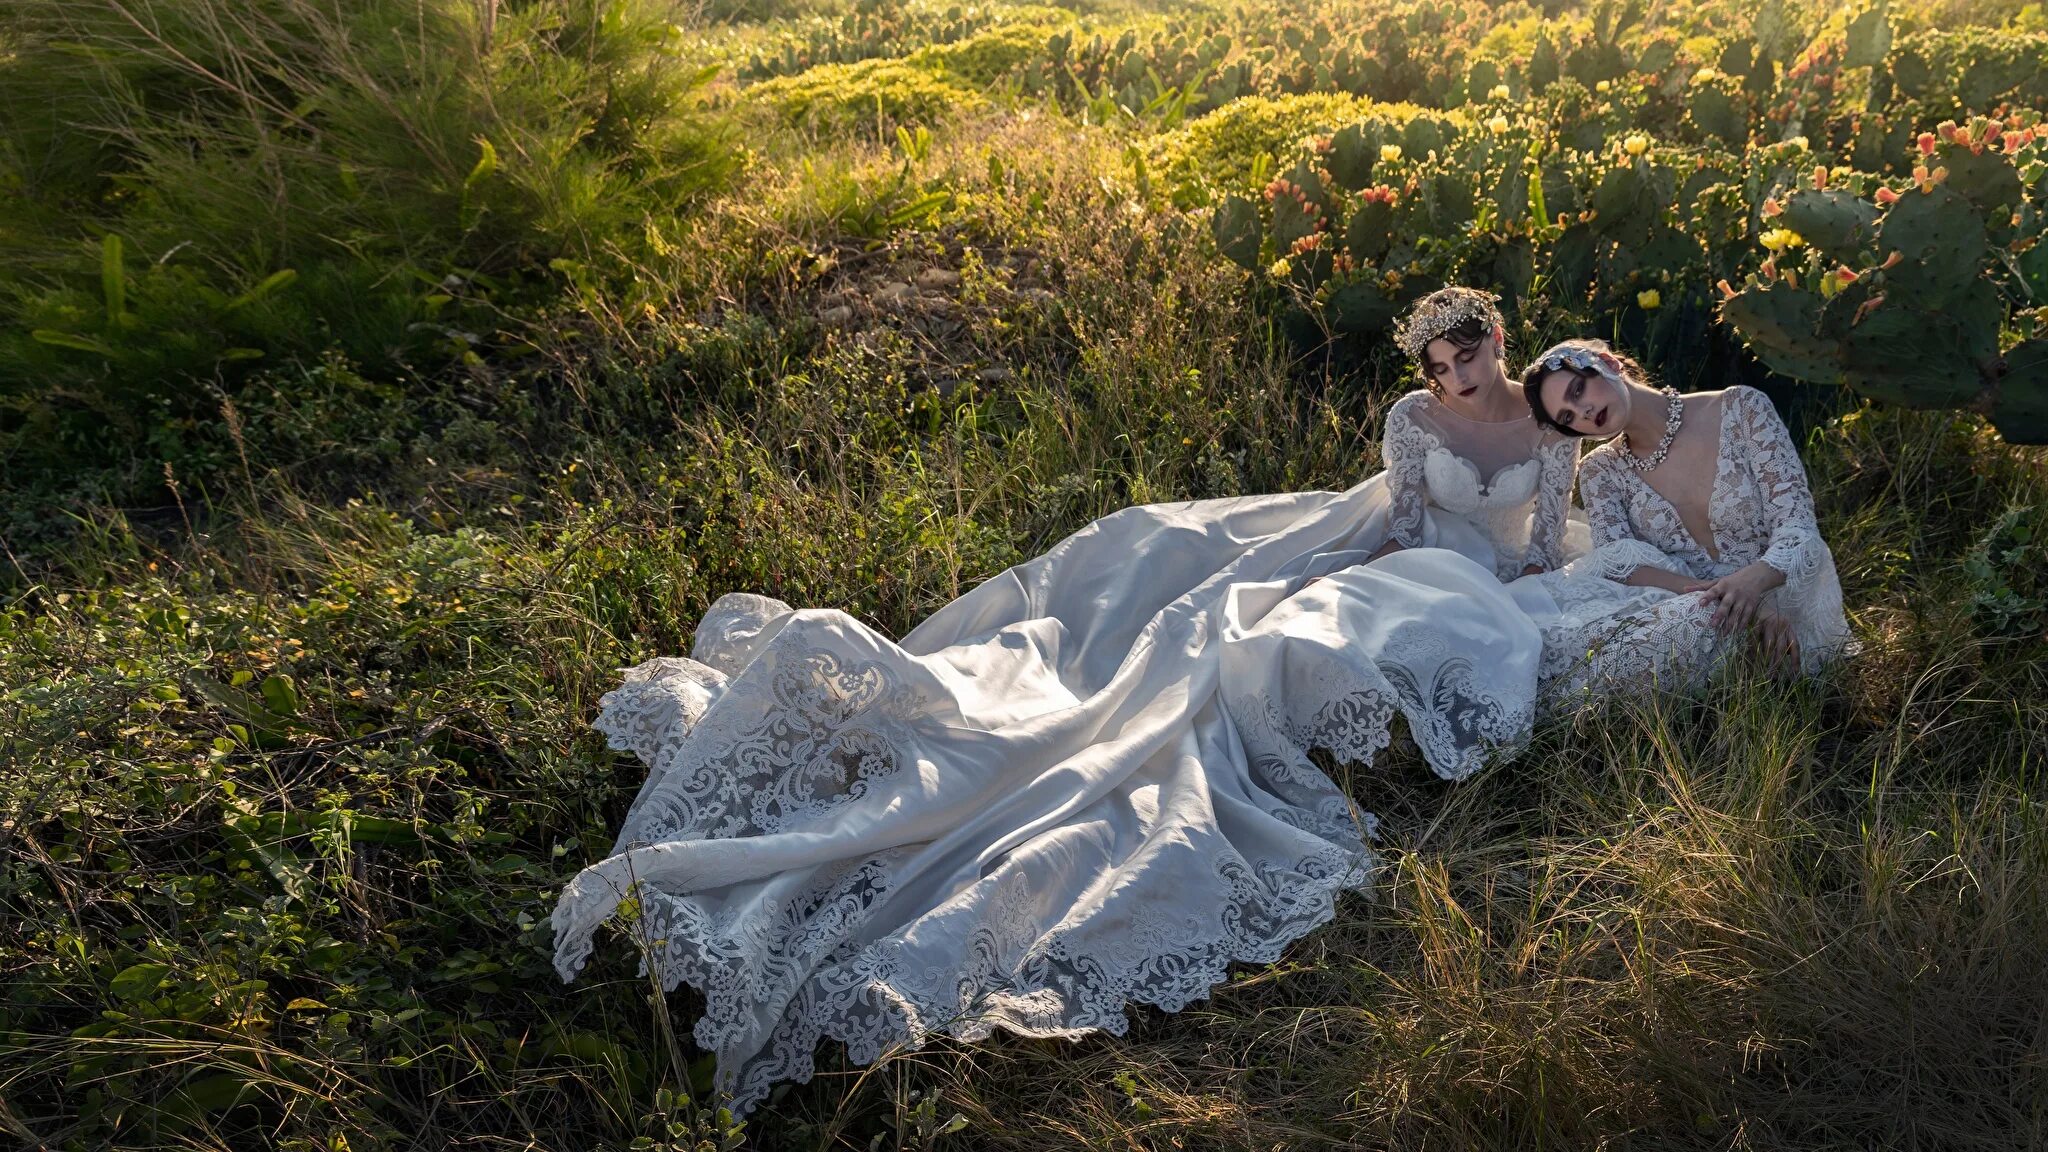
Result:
pixel 114 280
pixel 265 287
pixel 137 981
pixel 280 695
pixel 70 340
pixel 486 163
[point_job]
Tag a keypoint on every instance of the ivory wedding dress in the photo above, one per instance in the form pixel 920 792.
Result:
pixel 1083 784
pixel 1599 634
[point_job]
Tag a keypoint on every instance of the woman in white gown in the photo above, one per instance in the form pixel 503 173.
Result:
pixel 1703 533
pixel 1085 783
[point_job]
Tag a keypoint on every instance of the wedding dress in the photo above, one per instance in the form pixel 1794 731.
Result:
pixel 1599 634
pixel 1505 484
pixel 1082 785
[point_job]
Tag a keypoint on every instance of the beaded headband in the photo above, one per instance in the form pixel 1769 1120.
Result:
pixel 1441 311
pixel 1574 356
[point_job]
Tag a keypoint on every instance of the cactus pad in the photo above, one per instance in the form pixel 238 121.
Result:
pixel 1910 358
pixel 1238 231
pixel 1835 222
pixel 2019 405
pixel 1779 323
pixel 1870 38
pixel 1353 151
pixel 1940 240
pixel 1987 179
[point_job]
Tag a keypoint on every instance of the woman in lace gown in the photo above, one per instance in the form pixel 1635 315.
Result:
pixel 1703 533
pixel 1085 783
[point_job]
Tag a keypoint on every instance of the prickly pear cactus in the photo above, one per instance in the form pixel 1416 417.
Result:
pixel 2019 401
pixel 1714 109
pixel 1781 325
pixel 1920 329
pixel 1870 38
pixel 1939 239
pixel 1238 231
pixel 1838 224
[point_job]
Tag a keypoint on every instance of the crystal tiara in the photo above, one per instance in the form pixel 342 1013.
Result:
pixel 1441 311
pixel 1575 356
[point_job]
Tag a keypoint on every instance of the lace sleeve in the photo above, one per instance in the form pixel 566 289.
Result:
pixel 1617 560
pixel 1606 506
pixel 1560 456
pixel 1781 479
pixel 1812 593
pixel 1404 450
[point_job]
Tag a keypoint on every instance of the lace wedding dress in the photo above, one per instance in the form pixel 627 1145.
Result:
pixel 1084 784
pixel 1505 485
pixel 1599 634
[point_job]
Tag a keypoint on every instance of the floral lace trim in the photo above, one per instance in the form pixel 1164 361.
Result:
pixel 1010 976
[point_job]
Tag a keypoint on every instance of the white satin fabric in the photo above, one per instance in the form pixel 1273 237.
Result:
pixel 1084 784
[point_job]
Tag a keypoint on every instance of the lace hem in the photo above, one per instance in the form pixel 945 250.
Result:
pixel 869 999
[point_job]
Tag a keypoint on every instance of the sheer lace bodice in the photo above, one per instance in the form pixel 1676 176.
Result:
pixel 1759 508
pixel 1510 479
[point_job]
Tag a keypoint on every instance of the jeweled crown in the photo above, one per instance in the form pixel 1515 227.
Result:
pixel 1441 311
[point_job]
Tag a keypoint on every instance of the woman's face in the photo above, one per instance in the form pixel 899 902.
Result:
pixel 1462 376
pixel 1590 405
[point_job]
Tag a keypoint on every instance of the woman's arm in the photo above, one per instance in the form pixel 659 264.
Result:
pixel 1403 448
pixel 1560 460
pixel 1796 553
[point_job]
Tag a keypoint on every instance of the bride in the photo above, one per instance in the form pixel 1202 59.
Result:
pixel 1085 783
pixel 1703 531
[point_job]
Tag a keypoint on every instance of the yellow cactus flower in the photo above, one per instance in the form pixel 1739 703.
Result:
pixel 1279 267
pixel 1705 75
pixel 1636 144
pixel 1779 239
pixel 1798 142
pixel 1390 152
pixel 1500 92
pixel 1649 298
pixel 1603 86
pixel 1497 125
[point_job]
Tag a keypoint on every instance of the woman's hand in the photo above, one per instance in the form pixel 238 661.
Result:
pixel 1777 641
pixel 1739 596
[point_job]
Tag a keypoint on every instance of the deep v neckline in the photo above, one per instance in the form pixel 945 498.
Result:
pixel 1712 549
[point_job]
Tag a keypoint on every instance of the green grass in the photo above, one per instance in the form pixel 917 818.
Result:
pixel 294 683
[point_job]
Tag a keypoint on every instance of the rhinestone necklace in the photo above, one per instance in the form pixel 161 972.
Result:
pixel 1672 420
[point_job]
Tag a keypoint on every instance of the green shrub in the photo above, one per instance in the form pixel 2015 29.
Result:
pixel 388 177
pixel 1223 147
pixel 880 93
pixel 986 57
pixel 2008 588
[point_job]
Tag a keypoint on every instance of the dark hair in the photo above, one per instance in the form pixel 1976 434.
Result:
pixel 1532 380
pixel 1466 335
